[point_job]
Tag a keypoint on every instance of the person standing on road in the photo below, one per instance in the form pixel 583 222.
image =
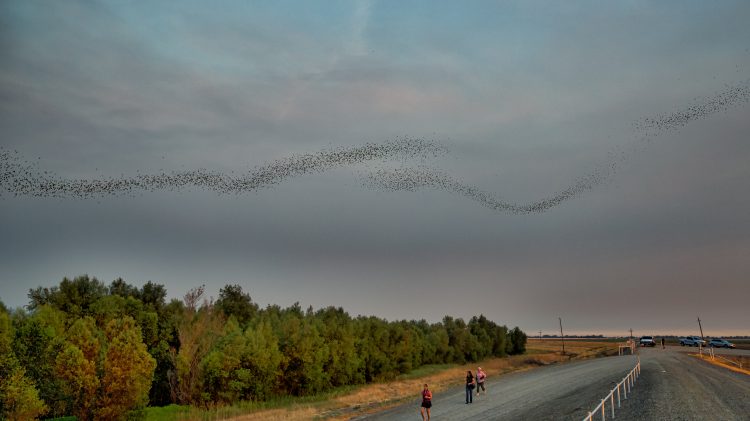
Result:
pixel 469 386
pixel 426 403
pixel 662 344
pixel 481 375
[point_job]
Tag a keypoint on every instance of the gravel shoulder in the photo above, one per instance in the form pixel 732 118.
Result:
pixel 676 386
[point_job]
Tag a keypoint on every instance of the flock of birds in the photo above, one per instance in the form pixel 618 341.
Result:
pixel 414 178
pixel 21 177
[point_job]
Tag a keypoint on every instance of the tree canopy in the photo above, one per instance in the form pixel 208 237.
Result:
pixel 101 351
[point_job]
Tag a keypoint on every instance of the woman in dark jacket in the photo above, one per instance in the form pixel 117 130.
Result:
pixel 469 386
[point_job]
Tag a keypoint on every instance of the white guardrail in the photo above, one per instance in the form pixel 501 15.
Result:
pixel 710 353
pixel 625 385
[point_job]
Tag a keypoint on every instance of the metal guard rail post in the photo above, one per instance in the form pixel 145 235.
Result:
pixel 626 384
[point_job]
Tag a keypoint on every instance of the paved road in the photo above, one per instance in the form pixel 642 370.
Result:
pixel 554 392
pixel 673 386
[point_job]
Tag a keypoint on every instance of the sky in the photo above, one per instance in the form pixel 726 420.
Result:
pixel 524 98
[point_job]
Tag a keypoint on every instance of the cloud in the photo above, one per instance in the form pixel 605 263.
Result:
pixel 360 18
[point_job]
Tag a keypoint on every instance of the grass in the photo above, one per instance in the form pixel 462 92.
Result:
pixel 185 413
pixel 425 370
pixel 347 402
pixel 574 349
pixel 745 361
pixel 165 413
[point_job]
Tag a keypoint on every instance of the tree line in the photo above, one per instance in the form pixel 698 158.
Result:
pixel 94 351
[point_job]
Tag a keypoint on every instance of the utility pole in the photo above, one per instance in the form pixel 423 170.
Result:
pixel 540 335
pixel 701 328
pixel 562 337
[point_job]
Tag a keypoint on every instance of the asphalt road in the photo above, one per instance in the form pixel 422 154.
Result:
pixel 672 386
pixel 675 386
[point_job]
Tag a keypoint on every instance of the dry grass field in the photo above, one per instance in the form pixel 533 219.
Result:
pixel 738 363
pixel 378 396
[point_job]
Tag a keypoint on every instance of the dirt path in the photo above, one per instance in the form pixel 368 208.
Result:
pixel 673 386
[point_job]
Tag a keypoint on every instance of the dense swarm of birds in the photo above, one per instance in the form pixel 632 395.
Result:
pixel 21 177
pixel 731 97
pixel 415 178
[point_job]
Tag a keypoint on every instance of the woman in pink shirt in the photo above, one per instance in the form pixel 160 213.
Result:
pixel 426 402
pixel 481 375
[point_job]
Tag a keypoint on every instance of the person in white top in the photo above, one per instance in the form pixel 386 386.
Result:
pixel 481 375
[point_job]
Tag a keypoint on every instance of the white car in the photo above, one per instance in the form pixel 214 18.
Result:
pixel 692 341
pixel 647 341
pixel 720 343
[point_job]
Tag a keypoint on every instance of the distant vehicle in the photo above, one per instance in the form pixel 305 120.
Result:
pixel 720 343
pixel 647 341
pixel 692 341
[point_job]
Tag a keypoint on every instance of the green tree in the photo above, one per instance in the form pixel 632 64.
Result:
pixel 153 296
pixel 305 353
pixel 235 303
pixel 74 297
pixel 167 321
pixel 373 339
pixel 197 330
pixel 261 362
pixel 38 339
pixel 123 289
pixel 19 398
pixel 499 341
pixel 97 351
pixel 343 365
pixel 438 337
pixel 221 365
pixel 517 341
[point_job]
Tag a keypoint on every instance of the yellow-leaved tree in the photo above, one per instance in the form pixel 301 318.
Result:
pixel 128 370
pixel 76 365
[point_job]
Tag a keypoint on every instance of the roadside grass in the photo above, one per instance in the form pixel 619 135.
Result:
pixel 184 413
pixel 164 413
pixel 425 370
pixel 741 359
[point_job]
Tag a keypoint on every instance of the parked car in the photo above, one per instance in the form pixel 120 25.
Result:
pixel 647 341
pixel 692 341
pixel 720 343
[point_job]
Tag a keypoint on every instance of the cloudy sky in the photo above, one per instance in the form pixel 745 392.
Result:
pixel 527 97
